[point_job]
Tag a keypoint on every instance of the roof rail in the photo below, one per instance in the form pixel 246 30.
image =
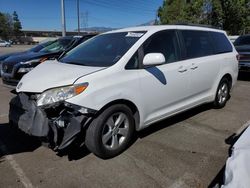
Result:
pixel 198 25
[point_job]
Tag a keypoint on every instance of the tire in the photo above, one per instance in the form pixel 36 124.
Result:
pixel 222 93
pixel 111 132
pixel 13 125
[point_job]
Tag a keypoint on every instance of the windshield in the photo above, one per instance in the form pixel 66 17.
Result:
pixel 243 40
pixel 38 47
pixel 103 50
pixel 60 44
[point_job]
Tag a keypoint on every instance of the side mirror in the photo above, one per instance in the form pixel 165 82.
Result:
pixel 154 59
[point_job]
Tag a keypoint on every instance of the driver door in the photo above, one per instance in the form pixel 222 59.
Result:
pixel 164 88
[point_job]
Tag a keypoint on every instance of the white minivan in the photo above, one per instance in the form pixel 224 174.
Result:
pixel 122 81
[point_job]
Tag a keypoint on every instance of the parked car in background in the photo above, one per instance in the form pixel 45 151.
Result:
pixel 33 49
pixel 15 66
pixel 4 43
pixel 232 38
pixel 242 45
pixel 122 81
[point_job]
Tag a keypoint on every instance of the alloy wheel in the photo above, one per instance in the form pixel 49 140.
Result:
pixel 223 93
pixel 115 131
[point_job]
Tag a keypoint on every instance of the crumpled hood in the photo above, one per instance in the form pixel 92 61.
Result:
pixel 51 74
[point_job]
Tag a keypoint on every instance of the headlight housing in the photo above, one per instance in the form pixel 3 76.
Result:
pixel 30 62
pixel 60 94
pixel 24 70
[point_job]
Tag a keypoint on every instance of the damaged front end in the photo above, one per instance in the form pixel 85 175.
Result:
pixel 59 124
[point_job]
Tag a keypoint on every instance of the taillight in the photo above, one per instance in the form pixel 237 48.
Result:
pixel 238 57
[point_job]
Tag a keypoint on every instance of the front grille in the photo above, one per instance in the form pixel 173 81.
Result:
pixel 7 68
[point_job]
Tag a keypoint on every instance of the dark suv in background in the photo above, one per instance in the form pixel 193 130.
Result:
pixel 36 48
pixel 242 45
pixel 15 66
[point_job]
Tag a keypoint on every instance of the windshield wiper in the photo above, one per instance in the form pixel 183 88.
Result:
pixel 73 63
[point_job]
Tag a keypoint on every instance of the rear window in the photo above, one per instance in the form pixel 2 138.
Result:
pixel 221 43
pixel 242 40
pixel 197 43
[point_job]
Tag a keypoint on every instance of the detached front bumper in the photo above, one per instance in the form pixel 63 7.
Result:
pixel 59 125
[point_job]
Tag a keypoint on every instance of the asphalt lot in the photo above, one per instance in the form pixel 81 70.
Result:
pixel 187 150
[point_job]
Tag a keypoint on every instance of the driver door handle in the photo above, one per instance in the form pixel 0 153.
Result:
pixel 193 66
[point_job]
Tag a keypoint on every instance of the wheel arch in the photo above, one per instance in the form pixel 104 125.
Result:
pixel 229 78
pixel 129 104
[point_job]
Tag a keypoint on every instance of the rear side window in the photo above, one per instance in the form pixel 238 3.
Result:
pixel 221 43
pixel 197 43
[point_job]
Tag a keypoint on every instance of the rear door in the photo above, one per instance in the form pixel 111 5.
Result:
pixel 204 66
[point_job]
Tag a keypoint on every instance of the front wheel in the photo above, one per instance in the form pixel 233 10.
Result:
pixel 222 94
pixel 111 132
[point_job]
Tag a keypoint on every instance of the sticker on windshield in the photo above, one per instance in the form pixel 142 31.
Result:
pixel 131 34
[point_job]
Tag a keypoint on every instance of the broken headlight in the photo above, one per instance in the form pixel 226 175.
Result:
pixel 60 94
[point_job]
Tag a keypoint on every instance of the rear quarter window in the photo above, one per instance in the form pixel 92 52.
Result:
pixel 221 43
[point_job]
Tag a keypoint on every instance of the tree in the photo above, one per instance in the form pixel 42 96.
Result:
pixel 195 13
pixel 179 11
pixel 230 15
pixel 4 31
pixel 10 26
pixel 234 15
pixel 216 15
pixel 16 25
pixel 9 22
pixel 172 11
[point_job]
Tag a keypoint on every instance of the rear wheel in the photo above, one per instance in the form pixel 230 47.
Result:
pixel 111 132
pixel 222 94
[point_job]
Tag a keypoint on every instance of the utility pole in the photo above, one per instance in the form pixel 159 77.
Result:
pixel 84 19
pixel 63 19
pixel 78 17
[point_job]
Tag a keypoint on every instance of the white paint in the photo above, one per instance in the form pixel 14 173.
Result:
pixel 237 170
pixel 158 93
pixel 16 167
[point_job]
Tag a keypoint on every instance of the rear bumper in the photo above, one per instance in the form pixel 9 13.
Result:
pixel 59 125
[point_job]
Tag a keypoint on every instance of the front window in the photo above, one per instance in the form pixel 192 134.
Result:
pixel 60 44
pixel 103 50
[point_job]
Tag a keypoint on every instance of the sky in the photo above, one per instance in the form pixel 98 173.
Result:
pixel 46 14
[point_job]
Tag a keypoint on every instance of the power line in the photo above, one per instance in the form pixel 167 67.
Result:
pixel 137 7
pixel 118 8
